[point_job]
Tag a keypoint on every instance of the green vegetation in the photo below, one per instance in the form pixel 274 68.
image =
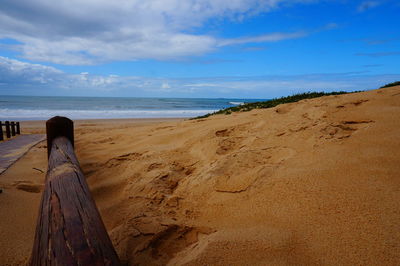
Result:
pixel 272 103
pixel 397 83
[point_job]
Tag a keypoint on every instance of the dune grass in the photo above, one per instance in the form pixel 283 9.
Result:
pixel 288 99
pixel 272 103
pixel 397 83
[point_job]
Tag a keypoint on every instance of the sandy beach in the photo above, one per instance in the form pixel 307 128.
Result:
pixel 309 183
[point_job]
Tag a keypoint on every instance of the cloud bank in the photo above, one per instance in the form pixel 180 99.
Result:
pixel 21 78
pixel 82 32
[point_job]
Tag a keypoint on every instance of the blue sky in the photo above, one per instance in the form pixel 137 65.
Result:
pixel 196 48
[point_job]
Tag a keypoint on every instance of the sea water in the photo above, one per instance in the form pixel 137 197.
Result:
pixel 42 108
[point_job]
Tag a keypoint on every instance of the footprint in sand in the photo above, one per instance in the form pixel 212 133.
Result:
pixel 344 129
pixel 223 133
pixel 28 186
pixel 230 141
pixel 166 243
pixel 116 161
pixel 154 166
pixel 284 109
pixel 226 145
pixel 231 178
pixel 354 103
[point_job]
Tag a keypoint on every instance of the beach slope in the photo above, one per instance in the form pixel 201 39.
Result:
pixel 309 183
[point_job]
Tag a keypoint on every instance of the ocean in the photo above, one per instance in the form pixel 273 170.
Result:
pixel 43 108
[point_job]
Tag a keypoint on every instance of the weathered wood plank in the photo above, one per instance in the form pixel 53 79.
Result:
pixel 70 230
pixel 12 128
pixel 18 128
pixel 13 149
pixel 1 131
pixel 8 132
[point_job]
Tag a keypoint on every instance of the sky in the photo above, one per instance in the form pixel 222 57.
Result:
pixel 196 48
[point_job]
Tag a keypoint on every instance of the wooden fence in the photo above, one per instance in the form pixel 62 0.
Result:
pixel 69 229
pixel 11 129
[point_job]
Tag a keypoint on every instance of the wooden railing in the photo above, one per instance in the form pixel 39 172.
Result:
pixel 11 128
pixel 69 229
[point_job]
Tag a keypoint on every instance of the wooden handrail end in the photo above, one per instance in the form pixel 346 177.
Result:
pixel 59 126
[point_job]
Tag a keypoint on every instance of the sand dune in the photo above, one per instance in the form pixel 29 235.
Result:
pixel 309 183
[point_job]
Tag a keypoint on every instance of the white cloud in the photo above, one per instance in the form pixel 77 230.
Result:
pixel 165 86
pixel 79 32
pixel 364 6
pixel 18 77
pixel 274 37
pixel 20 73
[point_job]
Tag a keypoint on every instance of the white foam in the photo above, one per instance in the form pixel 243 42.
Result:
pixel 236 103
pixel 43 114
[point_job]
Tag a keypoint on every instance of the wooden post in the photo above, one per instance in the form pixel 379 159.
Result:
pixel 18 129
pixel 8 133
pixel 69 230
pixel 1 131
pixel 56 127
pixel 13 128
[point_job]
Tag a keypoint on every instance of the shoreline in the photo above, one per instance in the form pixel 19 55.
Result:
pixel 32 126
